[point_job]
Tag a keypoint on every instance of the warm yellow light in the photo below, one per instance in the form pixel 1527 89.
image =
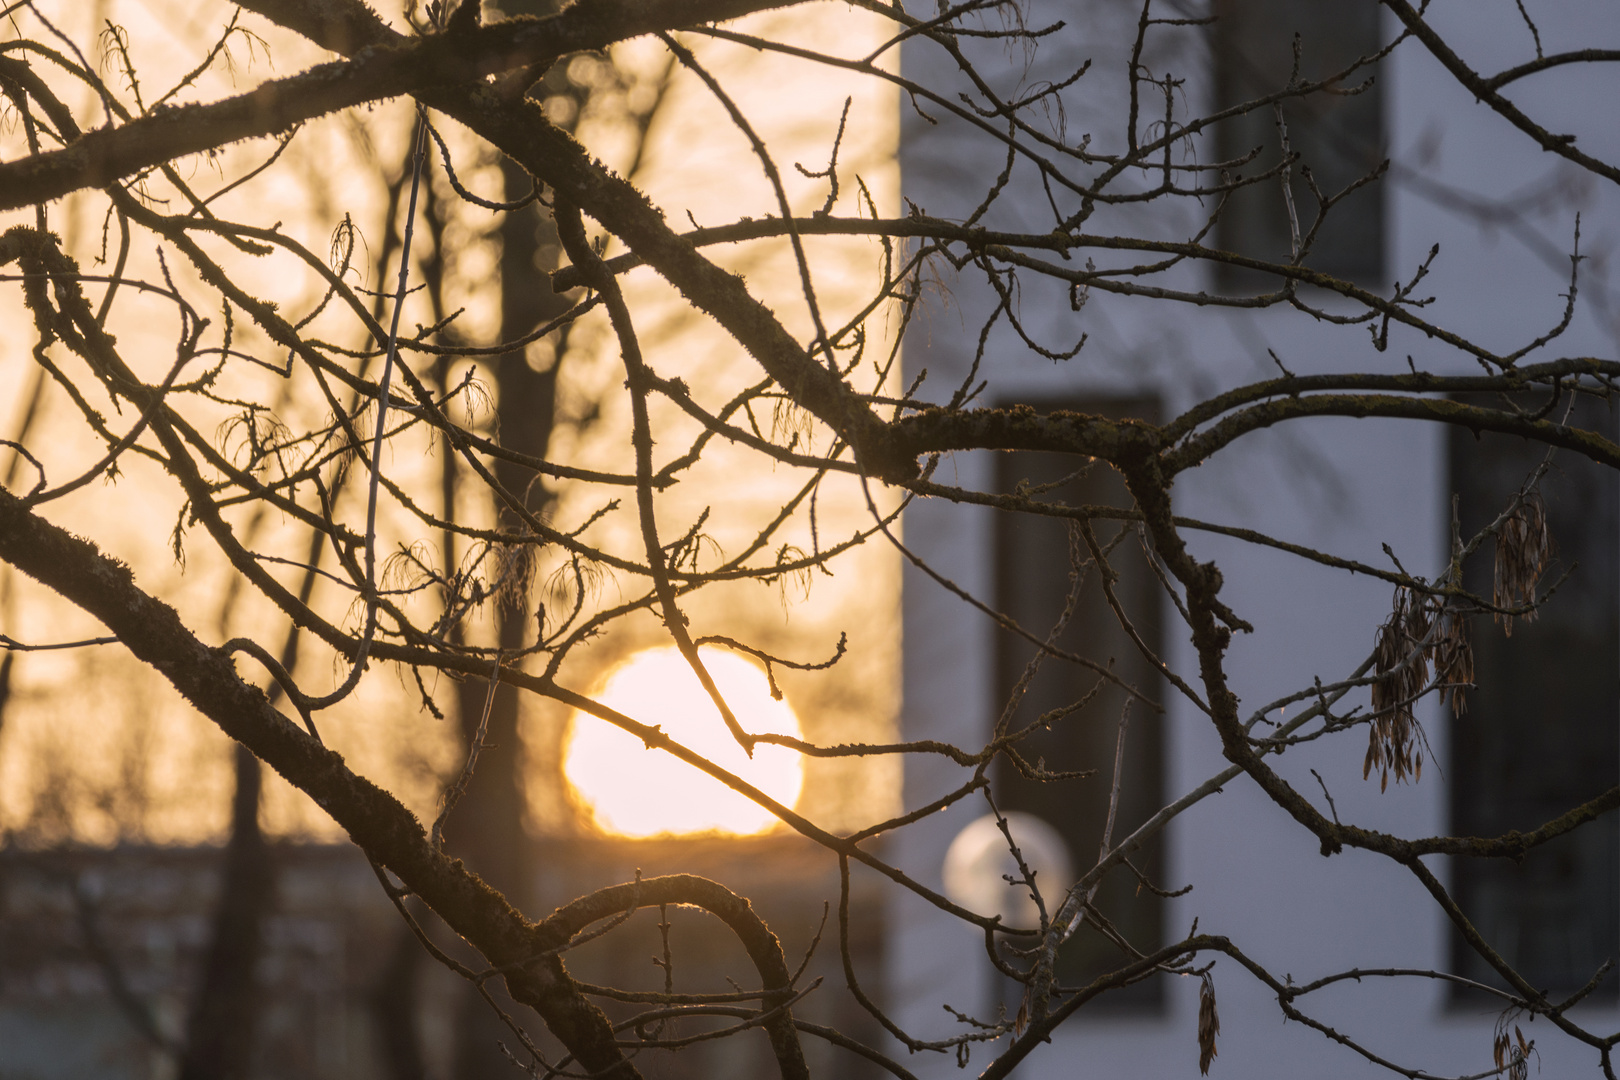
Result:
pixel 634 791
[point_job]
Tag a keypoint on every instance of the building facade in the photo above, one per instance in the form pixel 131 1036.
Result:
pixel 1541 724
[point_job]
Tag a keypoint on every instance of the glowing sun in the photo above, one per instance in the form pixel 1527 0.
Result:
pixel 635 791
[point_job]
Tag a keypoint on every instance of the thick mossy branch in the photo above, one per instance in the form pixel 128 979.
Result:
pixel 383 65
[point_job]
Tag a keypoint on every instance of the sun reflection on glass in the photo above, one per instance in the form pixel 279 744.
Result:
pixel 635 791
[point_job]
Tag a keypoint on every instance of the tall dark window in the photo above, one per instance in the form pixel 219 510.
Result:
pixel 1338 136
pixel 1542 730
pixel 1032 583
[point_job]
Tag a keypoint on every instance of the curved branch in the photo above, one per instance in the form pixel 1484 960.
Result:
pixel 762 946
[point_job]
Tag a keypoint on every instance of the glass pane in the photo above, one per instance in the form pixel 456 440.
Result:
pixel 1032 570
pixel 1542 730
pixel 1339 137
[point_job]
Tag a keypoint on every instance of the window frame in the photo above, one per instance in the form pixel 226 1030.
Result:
pixel 1514 721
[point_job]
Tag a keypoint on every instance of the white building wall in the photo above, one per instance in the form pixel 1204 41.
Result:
pixel 1343 485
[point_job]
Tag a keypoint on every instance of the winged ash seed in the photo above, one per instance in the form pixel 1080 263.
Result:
pixel 1209 1024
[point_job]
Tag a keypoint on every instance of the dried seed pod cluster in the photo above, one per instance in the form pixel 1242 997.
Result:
pixel 1512 1061
pixel 1422 632
pixel 1401 661
pixel 1452 654
pixel 514 577
pixel 1523 548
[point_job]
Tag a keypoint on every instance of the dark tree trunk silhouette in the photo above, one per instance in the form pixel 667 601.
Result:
pixel 225 1006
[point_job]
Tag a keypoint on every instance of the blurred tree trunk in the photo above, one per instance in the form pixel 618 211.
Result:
pixel 222 1020
pixel 393 1009
pixel 220 1027
pixel 486 828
